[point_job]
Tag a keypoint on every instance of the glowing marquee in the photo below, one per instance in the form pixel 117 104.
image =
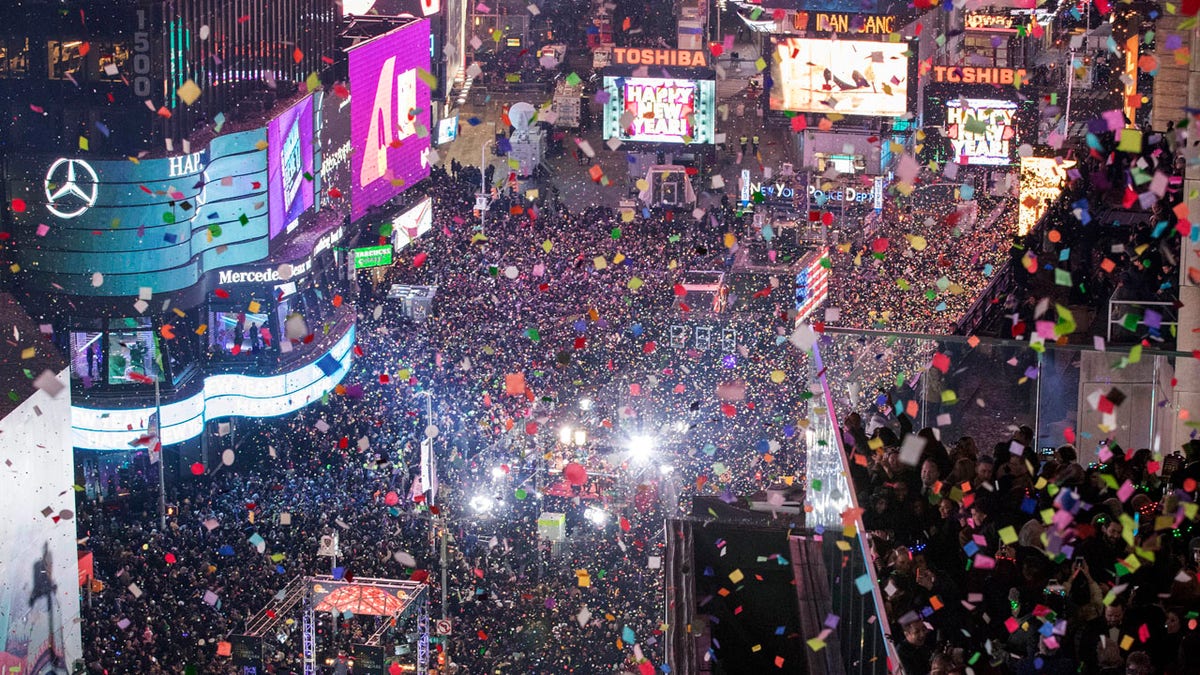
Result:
pixel 659 110
pixel 981 131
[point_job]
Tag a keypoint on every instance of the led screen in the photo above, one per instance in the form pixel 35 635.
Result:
pixel 981 130
pixel 447 130
pixel 844 76
pixel 107 227
pixel 39 574
pixel 659 110
pixel 290 165
pixel 412 223
pixel 333 135
pixel 389 115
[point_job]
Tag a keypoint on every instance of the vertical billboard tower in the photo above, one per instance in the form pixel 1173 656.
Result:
pixel 389 117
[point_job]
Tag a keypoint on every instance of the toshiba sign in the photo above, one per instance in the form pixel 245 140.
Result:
pixel 687 58
pixel 977 75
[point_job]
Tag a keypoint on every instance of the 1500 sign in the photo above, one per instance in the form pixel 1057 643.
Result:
pixel 141 58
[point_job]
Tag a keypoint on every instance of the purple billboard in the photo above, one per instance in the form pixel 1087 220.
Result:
pixel 389 115
pixel 290 166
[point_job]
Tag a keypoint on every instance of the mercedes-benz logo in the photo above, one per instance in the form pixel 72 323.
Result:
pixel 71 186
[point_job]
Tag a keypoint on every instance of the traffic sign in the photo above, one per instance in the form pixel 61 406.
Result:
pixel 443 626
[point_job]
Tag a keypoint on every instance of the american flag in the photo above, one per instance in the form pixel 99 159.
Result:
pixel 812 284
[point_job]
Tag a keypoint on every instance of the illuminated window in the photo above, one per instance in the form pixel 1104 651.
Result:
pixel 841 163
pixel 992 48
pixel 64 58
pixel 133 355
pixel 14 57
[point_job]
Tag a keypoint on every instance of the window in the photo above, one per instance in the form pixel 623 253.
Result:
pixel 14 57
pixel 133 354
pixel 65 58
pixel 841 163
pixel 111 61
pixel 87 356
pixel 236 332
pixel 994 48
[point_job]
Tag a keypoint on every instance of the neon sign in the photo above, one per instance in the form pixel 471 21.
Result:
pixel 981 131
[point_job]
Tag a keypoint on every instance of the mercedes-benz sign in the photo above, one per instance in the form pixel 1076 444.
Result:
pixel 71 187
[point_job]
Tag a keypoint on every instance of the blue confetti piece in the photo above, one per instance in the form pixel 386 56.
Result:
pixel 780 629
pixel 863 584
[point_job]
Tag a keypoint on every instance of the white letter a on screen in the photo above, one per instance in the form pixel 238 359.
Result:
pixel 380 133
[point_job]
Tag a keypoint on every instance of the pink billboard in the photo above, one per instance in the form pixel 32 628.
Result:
pixel 389 115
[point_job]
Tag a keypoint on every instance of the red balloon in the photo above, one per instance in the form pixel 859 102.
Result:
pixel 391 499
pixel 197 469
pixel 531 428
pixel 575 474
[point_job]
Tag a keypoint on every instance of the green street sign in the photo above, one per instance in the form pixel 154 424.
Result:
pixel 372 256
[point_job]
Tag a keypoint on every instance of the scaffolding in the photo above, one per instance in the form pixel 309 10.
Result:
pixel 390 599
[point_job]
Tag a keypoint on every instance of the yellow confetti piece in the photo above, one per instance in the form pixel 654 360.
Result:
pixel 254 306
pixel 736 576
pixel 618 258
pixel 188 92
pixel 201 329
pixel 1008 534
pixel 28 353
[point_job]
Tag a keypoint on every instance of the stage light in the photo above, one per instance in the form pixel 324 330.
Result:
pixel 640 448
pixel 585 404
pixel 580 437
pixel 595 516
pixel 666 469
pixel 481 504
pixel 497 473
pixel 564 435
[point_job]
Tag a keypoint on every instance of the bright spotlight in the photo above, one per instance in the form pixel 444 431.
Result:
pixel 595 516
pixel 564 435
pixel 640 448
pixel 666 469
pixel 481 504
pixel 497 473
pixel 580 437
pixel 585 404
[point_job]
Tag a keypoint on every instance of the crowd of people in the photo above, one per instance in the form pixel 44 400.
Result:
pixel 994 558
pixel 581 304
pixel 999 558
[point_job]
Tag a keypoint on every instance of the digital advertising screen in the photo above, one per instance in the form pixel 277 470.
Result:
pixel 659 110
pixel 389 115
pixel 447 130
pixel 844 76
pixel 39 589
pixel 413 223
pixel 981 131
pixel 164 221
pixel 290 165
pixel 333 135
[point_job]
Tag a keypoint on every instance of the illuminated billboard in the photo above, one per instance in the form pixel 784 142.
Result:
pixel 659 110
pixel 113 425
pixel 843 76
pixel 413 223
pixel 97 227
pixel 389 115
pixel 981 130
pixel 1042 180
pixel 290 165
pixel 39 593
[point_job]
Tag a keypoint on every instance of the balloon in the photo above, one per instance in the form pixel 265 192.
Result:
pixel 575 474
pixel 531 428
pixel 197 469
pixel 431 431
pixel 391 499
pixel 227 458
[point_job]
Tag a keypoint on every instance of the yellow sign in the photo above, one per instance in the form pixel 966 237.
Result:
pixel 989 22
pixel 825 22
